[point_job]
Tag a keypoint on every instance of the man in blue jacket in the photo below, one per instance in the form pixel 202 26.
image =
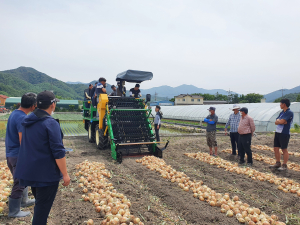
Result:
pixel 211 130
pixel 19 194
pixel 42 161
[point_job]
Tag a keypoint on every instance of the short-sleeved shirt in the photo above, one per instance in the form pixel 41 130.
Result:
pixel 288 115
pixel 14 127
pixel 135 92
pixel 212 127
pixel 99 89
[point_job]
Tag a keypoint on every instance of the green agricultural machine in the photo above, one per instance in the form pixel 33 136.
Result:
pixel 122 123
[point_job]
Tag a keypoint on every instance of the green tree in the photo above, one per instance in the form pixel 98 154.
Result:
pixel 172 100
pixel 253 98
pixel 298 98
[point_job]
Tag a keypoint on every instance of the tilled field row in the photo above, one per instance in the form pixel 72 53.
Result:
pixel 284 184
pixel 267 148
pixel 268 160
pixel 242 211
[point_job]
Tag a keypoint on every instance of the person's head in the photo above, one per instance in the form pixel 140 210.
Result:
pixel 113 87
pixel 212 110
pixel 244 111
pixel 28 101
pixel 96 83
pixel 46 101
pixel 157 108
pixel 102 80
pixel 285 103
pixel 137 87
pixel 235 109
pixel 90 86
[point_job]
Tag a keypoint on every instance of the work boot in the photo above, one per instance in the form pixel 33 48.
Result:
pixel 283 167
pixel 276 166
pixel 25 200
pixel 14 206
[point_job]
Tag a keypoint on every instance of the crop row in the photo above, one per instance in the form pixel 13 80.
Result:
pixel 284 184
pixel 6 180
pixel 233 207
pixel 267 148
pixel 114 207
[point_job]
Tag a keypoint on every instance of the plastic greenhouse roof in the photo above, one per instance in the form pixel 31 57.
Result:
pixel 263 114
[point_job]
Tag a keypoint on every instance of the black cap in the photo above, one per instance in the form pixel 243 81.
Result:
pixel 113 86
pixel 90 85
pixel 137 85
pixel 46 98
pixel 102 79
pixel 212 108
pixel 244 109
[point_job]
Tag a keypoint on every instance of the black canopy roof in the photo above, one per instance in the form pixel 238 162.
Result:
pixel 134 76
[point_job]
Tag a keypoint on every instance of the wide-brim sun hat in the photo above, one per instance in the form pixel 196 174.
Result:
pixel 235 107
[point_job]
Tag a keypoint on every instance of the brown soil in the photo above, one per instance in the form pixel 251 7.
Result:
pixel 158 201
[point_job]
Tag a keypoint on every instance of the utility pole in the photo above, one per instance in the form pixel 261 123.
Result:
pixel 282 92
pixel 229 96
pixel 155 95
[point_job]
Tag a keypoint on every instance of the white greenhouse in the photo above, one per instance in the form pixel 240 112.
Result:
pixel 264 114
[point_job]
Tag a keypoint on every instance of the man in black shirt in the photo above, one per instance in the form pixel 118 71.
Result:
pixel 135 92
pixel 93 96
pixel 87 95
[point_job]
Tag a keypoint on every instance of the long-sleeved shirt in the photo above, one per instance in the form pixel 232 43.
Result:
pixel 211 125
pixel 246 125
pixel 233 122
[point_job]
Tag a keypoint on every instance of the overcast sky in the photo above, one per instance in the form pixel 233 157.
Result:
pixel 245 46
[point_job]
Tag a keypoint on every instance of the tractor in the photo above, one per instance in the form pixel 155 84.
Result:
pixel 122 123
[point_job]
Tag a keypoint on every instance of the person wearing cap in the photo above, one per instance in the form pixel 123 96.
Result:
pixel 282 134
pixel 19 194
pixel 42 162
pixel 101 86
pixel 246 130
pixel 233 122
pixel 211 130
pixel 157 122
pixel 135 92
pixel 114 91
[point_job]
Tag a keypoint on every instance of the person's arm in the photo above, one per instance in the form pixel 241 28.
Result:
pixel 58 149
pixel 62 165
pixel 280 121
pixel 130 94
pixel 206 120
pixel 158 123
pixel 87 96
pixel 252 125
pixel 104 90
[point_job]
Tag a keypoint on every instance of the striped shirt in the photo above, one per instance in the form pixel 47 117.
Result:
pixel 246 125
pixel 233 122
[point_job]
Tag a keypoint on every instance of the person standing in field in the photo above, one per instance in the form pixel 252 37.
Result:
pixel 42 161
pixel 211 130
pixel 233 122
pixel 157 122
pixel 246 130
pixel 19 194
pixel 282 134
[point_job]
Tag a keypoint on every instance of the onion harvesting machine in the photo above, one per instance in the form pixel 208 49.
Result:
pixel 122 123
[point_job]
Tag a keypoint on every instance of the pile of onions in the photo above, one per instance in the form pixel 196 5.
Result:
pixel 111 205
pixel 268 160
pixel 6 180
pixel 284 184
pixel 232 207
pixel 267 148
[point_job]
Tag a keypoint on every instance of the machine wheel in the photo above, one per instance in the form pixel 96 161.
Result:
pixel 101 140
pixel 91 133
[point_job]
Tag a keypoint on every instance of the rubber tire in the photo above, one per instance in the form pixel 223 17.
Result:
pixel 100 139
pixel 91 133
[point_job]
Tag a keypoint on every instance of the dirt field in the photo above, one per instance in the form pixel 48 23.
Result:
pixel 158 201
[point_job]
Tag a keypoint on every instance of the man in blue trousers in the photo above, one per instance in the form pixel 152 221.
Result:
pixel 19 194
pixel 42 161
pixel 211 130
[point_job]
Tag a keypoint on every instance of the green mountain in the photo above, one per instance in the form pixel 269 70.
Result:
pixel 293 97
pixel 16 82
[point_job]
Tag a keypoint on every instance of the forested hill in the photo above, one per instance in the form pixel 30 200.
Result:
pixel 16 82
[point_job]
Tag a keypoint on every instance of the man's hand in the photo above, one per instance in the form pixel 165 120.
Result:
pixel 157 127
pixel 210 120
pixel 95 96
pixel 67 180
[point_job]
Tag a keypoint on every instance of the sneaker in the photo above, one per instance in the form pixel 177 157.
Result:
pixel 249 164
pixel 276 166
pixel 283 167
pixel 241 163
